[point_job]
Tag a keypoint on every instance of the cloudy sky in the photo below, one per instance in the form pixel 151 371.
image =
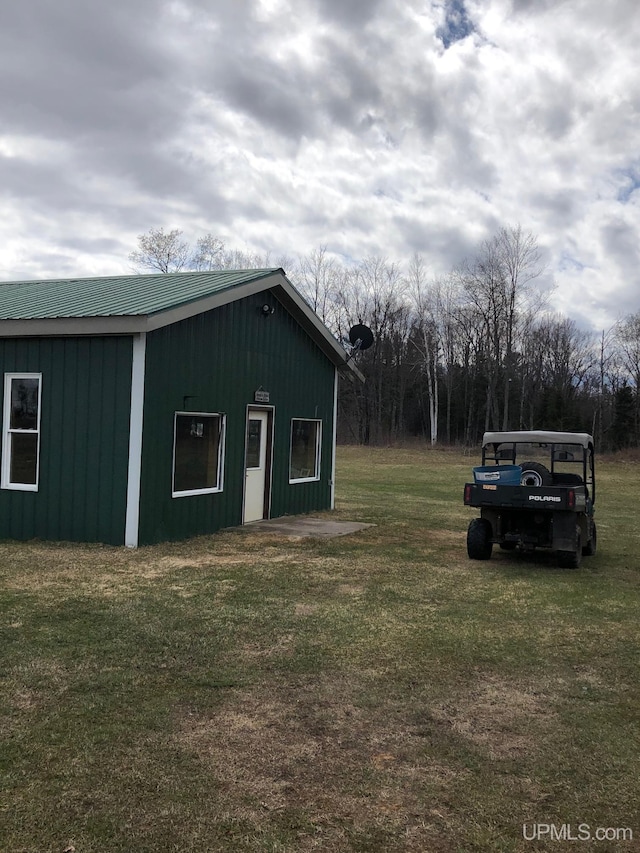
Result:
pixel 373 127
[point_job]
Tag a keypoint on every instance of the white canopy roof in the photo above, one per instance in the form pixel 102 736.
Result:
pixel 538 436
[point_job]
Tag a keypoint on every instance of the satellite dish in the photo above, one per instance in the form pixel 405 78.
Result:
pixel 361 337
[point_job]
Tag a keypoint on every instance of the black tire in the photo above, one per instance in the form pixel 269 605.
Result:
pixel 535 474
pixel 479 545
pixel 571 559
pixel 590 548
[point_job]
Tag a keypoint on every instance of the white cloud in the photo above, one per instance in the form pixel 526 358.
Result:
pixel 371 127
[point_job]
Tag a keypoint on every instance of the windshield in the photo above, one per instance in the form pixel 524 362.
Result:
pixel 564 459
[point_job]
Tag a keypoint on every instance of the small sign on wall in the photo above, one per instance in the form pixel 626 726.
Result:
pixel 261 396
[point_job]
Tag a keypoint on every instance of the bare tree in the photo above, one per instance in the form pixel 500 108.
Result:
pixel 483 284
pixel 520 259
pixel 240 259
pixel 498 283
pixel 426 338
pixel 318 278
pixel 627 339
pixel 166 252
pixel 471 345
pixel 562 361
pixel 372 293
pixel 209 253
pixel 161 251
pixel 479 339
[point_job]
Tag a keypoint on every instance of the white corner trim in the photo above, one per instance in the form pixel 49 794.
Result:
pixel 135 440
pixel 334 440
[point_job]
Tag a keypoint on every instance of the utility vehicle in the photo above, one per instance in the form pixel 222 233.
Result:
pixel 534 489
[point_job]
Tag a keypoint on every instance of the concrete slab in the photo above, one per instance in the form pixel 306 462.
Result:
pixel 305 525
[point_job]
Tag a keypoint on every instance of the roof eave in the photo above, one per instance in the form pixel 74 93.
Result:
pixel 49 327
pixel 296 305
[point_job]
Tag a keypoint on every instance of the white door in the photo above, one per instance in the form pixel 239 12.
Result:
pixel 255 470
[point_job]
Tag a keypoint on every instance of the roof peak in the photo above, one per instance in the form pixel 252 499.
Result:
pixel 74 279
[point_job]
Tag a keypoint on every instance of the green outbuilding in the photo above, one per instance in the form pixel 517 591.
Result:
pixel 139 409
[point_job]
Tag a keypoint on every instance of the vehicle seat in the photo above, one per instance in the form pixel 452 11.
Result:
pixel 567 480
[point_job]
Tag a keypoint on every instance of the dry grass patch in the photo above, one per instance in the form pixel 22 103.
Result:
pixel 302 609
pixel 502 718
pixel 310 750
pixel 103 571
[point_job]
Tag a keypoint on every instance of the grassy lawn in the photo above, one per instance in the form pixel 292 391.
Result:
pixel 376 692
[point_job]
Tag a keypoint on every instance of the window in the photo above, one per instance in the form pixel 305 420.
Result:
pixel 254 443
pixel 304 463
pixel 198 452
pixel 21 431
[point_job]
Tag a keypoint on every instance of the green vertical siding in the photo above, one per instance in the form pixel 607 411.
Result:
pixel 86 388
pixel 215 362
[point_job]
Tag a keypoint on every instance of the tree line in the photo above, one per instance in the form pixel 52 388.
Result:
pixel 478 349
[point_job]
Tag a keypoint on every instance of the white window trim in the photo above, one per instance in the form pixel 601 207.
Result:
pixel 318 451
pixel 7 432
pixel 221 448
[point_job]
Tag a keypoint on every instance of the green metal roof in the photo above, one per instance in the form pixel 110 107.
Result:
pixel 133 304
pixel 122 296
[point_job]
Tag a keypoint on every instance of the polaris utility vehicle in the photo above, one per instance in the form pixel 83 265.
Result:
pixel 545 501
